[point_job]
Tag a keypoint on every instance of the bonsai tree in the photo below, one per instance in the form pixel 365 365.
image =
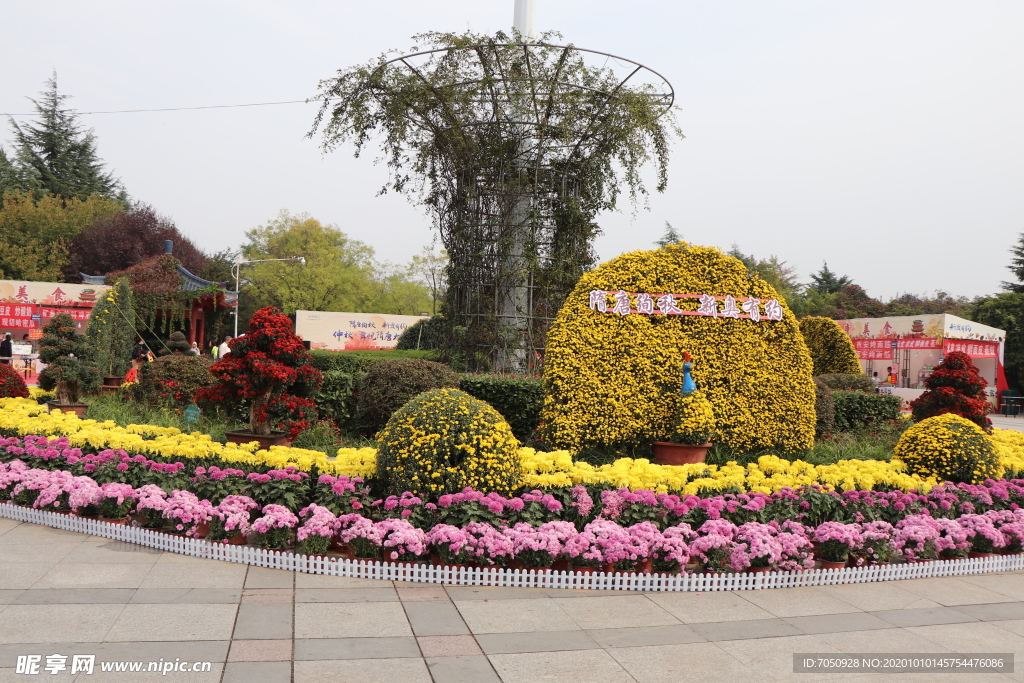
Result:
pixel 269 370
pixel 176 343
pixel 111 330
pixel 69 361
pixel 954 387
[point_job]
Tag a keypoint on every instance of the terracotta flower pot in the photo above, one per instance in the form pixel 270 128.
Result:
pixel 973 555
pixel 76 408
pixel 265 440
pixel 202 530
pixel 120 522
pixel 666 453
pixel 757 570
pixel 825 564
pixel 114 381
pixel 580 569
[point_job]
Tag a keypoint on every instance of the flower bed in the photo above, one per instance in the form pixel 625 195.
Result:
pixel 612 529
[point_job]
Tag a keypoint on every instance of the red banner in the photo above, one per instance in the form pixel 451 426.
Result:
pixel 881 349
pixel 974 349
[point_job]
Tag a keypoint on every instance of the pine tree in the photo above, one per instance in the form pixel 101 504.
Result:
pixel 670 236
pixel 827 282
pixel 1016 267
pixel 56 155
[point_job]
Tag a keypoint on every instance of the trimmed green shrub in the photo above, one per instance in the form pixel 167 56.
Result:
pixel 176 343
pixel 389 384
pixel 70 369
pixel 428 334
pixel 337 397
pixel 517 398
pixel 445 440
pixel 950 448
pixel 848 382
pixel 855 409
pixel 173 379
pixel 831 348
pixel 824 409
pixel 341 361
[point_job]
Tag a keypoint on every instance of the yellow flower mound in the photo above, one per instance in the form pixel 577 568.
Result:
pixel 1009 445
pixel 445 440
pixel 769 474
pixel 612 379
pixel 831 349
pixel 25 416
pixel 949 447
pixel 695 423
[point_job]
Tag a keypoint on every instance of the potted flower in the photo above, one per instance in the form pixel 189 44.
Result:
pixel 149 509
pixel 877 547
pixel 834 541
pixel 229 522
pixel 69 369
pixel 450 546
pixel 757 548
pixel 274 529
pixel 11 474
pixel 672 552
pixel 715 545
pixel 400 541
pixel 984 536
pixel 693 427
pixel 188 515
pixel 269 370
pixel 116 501
pixel 361 534
pixel 583 552
pixel 316 532
pixel 917 538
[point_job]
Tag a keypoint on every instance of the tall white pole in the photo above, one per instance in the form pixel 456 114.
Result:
pixel 525 19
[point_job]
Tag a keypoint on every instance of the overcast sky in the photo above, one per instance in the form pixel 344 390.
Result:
pixel 883 137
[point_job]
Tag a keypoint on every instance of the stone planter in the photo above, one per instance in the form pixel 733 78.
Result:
pixel 265 440
pixel 76 408
pixel 680 453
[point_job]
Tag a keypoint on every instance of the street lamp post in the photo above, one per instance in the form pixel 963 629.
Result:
pixel 237 267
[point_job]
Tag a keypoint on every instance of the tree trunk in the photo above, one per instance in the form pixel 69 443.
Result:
pixel 257 426
pixel 66 393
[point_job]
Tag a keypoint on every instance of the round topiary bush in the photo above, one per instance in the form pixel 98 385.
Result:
pixel 950 448
pixel 613 365
pixel 831 348
pixel 11 383
pixel 173 379
pixel 445 440
pixel 389 384
pixel 427 334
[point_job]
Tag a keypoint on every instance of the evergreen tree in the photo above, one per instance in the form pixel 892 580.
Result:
pixel 1016 267
pixel 56 155
pixel 827 282
pixel 670 236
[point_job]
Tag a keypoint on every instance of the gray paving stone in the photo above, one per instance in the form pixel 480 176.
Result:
pixel 260 577
pixel 994 611
pixel 74 596
pixel 192 650
pixel 263 621
pixel 434 619
pixel 316 649
pixel 838 623
pixel 926 616
pixel 9 595
pixel 206 596
pixel 744 630
pixel 497 593
pixel 645 635
pixel 345 595
pixel 264 672
pixel 540 641
pixel 462 669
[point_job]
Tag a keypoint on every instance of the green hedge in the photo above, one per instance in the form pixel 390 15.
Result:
pixel 856 409
pixel 517 398
pixel 357 362
pixel 848 382
pixel 337 398
pixel 429 333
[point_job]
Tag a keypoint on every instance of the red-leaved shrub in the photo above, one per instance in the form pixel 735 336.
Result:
pixel 11 383
pixel 954 387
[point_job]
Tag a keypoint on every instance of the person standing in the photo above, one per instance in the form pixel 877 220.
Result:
pixel 224 348
pixel 6 349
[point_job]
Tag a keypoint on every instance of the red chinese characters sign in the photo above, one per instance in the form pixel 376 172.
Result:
pixel 974 349
pixel 881 349
pixel 633 303
pixel 31 305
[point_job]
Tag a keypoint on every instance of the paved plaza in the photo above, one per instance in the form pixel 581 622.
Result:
pixel 67 593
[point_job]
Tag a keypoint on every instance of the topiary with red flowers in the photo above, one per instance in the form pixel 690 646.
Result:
pixel 954 387
pixel 269 370
pixel 11 383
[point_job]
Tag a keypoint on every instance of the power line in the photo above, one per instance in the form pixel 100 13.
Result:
pixel 214 106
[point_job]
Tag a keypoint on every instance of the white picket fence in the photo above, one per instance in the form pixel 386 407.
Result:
pixel 510 578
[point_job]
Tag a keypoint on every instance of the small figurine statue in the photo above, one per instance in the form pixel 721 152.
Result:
pixel 689 386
